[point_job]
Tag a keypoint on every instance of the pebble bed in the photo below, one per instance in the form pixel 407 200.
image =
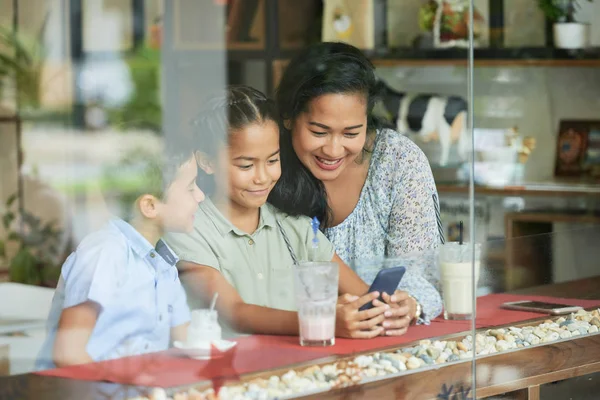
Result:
pixel 425 354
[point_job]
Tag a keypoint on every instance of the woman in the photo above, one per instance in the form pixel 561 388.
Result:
pixel 372 189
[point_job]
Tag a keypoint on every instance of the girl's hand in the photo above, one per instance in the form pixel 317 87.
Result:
pixel 352 323
pixel 401 312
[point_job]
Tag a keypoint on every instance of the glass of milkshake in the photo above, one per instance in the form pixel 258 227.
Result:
pixel 316 290
pixel 455 262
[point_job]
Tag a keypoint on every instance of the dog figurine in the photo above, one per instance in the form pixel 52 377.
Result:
pixel 432 117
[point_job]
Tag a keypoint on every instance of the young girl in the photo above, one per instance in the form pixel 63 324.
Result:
pixel 240 251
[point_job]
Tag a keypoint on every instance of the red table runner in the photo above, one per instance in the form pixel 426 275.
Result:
pixel 261 352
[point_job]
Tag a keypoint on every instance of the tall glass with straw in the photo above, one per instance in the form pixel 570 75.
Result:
pixel 455 259
pixel 316 289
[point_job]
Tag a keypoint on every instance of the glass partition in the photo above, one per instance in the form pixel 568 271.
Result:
pixel 536 185
pixel 98 99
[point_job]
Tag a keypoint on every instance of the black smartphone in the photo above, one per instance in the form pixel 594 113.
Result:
pixel 386 281
pixel 541 307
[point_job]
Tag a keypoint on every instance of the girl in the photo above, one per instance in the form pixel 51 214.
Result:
pixel 240 251
pixel 372 189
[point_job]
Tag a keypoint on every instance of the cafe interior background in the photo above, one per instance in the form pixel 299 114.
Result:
pixel 95 84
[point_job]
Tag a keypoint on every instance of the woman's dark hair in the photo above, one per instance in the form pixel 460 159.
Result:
pixel 323 68
pixel 222 116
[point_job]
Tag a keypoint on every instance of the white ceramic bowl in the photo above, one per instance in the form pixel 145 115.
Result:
pixel 203 351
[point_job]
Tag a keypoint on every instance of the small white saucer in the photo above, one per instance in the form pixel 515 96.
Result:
pixel 204 352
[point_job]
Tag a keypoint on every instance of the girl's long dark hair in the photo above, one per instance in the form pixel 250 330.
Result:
pixel 324 68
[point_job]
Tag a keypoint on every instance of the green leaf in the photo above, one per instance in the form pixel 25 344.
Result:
pixel 23 268
pixel 14 236
pixel 7 219
pixel 2 249
pixel 11 199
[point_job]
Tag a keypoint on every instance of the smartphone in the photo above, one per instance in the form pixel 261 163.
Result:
pixel 387 280
pixel 541 307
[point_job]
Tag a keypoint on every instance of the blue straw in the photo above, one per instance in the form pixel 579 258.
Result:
pixel 314 223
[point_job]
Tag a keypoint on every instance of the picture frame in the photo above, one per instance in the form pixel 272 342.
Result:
pixel 578 149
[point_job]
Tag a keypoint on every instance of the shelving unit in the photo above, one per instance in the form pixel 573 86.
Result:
pixel 513 57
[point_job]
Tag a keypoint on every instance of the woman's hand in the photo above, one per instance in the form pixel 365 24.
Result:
pixel 352 323
pixel 401 312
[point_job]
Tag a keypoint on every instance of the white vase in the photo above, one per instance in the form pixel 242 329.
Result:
pixel 571 35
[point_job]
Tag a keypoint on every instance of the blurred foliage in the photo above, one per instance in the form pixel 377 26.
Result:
pixel 560 10
pixel 21 61
pixel 143 110
pixel 37 246
pixel 427 15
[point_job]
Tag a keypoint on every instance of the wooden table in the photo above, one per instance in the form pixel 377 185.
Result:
pixel 521 372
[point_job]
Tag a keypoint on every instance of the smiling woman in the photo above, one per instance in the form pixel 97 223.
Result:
pixel 372 188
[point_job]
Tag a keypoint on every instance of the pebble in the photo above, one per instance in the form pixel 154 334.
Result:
pixel 370 372
pixel 593 329
pixel 442 358
pixel 329 370
pixel 433 352
pixel 596 322
pixel 453 357
pixel 461 346
pixel 159 394
pixel 427 359
pixel 539 332
pixel 502 345
pixel 439 345
pixel 363 361
pixel 413 363
pixel 490 340
pixel 399 357
pixel 391 370
pixel 551 337
pixel 565 334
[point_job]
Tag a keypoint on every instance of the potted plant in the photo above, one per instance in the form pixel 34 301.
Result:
pixel 568 33
pixel 36 259
pixel 21 63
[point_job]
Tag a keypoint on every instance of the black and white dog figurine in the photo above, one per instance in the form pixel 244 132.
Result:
pixel 432 117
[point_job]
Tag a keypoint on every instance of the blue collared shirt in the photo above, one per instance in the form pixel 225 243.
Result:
pixel 136 286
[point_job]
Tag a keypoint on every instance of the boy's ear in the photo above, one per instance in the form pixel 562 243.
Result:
pixel 204 162
pixel 148 206
pixel 288 124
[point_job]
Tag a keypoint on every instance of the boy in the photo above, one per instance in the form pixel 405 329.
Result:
pixel 119 293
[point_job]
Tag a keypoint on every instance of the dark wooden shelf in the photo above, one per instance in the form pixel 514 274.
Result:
pixel 556 188
pixel 513 57
pixel 527 56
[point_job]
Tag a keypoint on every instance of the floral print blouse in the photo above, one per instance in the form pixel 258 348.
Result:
pixel 396 221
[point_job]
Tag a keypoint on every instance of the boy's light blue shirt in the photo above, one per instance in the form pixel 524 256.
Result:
pixel 136 286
